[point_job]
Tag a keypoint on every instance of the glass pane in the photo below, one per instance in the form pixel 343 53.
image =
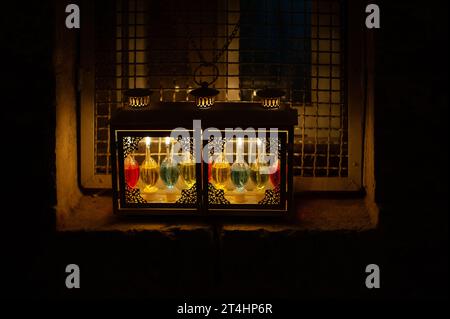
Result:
pixel 158 170
pixel 245 171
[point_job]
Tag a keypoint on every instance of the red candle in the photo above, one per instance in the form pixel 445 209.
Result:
pixel 131 172
pixel 209 170
pixel 275 176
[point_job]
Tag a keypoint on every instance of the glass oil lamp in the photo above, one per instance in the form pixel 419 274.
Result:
pixel 149 170
pixel 131 168
pixel 220 171
pixel 187 169
pixel 137 98
pixel 259 170
pixel 169 171
pixel 240 171
pixel 271 98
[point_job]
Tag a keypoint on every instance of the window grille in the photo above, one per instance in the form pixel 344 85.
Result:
pixel 295 45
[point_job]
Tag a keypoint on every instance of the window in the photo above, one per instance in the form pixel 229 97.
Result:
pixel 275 47
pixel 297 45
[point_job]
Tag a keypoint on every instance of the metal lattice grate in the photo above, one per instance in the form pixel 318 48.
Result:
pixel 290 44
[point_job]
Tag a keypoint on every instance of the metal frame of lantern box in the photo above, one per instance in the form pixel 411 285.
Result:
pixel 139 138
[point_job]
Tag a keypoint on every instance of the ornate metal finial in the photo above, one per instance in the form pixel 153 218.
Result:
pixel 204 95
pixel 271 98
pixel 137 98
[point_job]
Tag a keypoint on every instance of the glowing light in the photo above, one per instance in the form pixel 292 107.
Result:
pixel 148 141
pixel 138 98
pixel 271 102
pixel 240 142
pixel 205 102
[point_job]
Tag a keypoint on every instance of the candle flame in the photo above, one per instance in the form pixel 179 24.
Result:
pixel 148 141
pixel 167 141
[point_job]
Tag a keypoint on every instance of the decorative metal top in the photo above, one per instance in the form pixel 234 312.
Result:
pixel 137 93
pixel 215 74
pixel 204 91
pixel 268 93
pixel 137 98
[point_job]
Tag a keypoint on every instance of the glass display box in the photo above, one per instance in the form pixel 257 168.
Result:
pixel 175 159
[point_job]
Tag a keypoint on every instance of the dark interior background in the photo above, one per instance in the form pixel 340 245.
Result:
pixel 411 172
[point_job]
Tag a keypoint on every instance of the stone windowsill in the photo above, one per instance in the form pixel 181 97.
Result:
pixel 94 213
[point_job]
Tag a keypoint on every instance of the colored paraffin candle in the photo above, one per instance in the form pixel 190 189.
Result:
pixel 240 171
pixel 187 170
pixel 131 168
pixel 259 174
pixel 220 172
pixel 259 171
pixel 275 176
pixel 149 170
pixel 149 173
pixel 169 171
pixel 209 170
pixel 240 174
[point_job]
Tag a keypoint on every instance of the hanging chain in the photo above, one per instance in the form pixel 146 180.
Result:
pixel 229 40
pixel 199 52
pixel 221 52
pixel 217 56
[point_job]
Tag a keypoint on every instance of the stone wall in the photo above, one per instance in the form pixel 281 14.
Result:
pixel 65 66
